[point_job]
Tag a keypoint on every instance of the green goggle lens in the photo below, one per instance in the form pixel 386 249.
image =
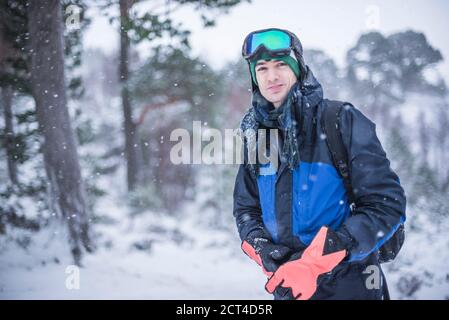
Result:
pixel 272 40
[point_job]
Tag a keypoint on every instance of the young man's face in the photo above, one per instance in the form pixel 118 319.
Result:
pixel 275 79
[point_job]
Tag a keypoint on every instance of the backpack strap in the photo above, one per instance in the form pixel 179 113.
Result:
pixel 330 123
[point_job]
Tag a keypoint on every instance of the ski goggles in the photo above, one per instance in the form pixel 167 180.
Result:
pixel 276 41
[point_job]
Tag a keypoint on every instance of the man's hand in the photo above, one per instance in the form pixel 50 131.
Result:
pixel 268 255
pixel 301 274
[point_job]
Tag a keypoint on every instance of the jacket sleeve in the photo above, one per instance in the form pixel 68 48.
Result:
pixel 379 198
pixel 247 210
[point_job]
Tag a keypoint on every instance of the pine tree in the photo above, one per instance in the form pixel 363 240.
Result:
pixel 60 147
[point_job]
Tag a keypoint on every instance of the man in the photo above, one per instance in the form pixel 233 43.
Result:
pixel 317 232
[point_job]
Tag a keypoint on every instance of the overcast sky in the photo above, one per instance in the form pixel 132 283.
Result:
pixel 330 25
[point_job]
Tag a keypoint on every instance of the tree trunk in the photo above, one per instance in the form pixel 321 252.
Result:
pixel 130 127
pixel 60 149
pixel 9 134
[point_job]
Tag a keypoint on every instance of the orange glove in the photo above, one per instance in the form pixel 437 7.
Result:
pixel 301 275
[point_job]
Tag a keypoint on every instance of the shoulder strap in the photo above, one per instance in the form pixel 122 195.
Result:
pixel 330 123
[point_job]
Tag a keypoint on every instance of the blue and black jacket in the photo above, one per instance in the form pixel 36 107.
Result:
pixel 293 204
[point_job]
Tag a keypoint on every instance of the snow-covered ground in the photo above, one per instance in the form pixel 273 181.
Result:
pixel 175 260
pixel 169 272
pixel 421 269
